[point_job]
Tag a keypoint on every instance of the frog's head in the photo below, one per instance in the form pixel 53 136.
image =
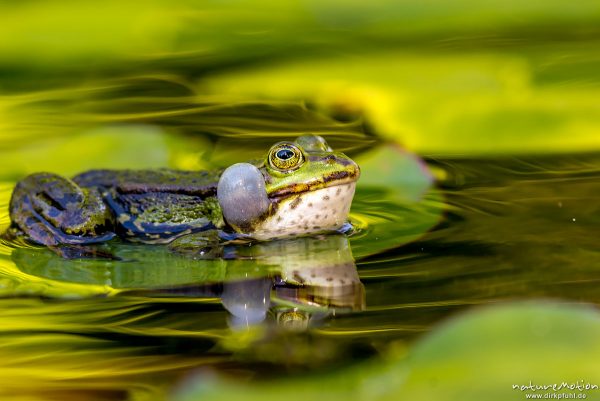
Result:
pixel 301 187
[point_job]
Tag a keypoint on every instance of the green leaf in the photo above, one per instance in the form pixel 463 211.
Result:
pixel 481 354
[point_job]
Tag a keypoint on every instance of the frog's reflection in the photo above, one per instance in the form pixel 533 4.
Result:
pixel 311 278
pixel 247 301
pixel 295 283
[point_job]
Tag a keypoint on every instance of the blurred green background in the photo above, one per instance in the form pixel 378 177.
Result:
pixel 450 79
pixel 460 77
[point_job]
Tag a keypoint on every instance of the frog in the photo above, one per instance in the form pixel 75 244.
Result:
pixel 300 187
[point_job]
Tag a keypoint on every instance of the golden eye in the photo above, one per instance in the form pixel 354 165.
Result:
pixel 285 157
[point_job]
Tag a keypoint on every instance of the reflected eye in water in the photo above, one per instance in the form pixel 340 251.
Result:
pixel 293 320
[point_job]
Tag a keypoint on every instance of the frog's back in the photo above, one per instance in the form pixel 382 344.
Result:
pixel 157 205
pixel 197 183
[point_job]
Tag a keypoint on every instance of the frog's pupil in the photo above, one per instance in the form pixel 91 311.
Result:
pixel 284 154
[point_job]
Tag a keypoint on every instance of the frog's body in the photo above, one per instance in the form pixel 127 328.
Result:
pixel 156 206
pixel 301 188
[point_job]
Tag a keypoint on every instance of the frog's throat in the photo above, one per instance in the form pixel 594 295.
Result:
pixel 242 195
pixel 321 210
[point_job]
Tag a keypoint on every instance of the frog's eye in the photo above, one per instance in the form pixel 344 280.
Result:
pixel 285 157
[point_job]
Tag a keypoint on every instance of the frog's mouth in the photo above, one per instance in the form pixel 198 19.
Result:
pixel 333 179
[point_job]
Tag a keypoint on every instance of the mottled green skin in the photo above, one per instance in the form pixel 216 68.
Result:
pixel 154 206
pixel 321 168
pixel 157 205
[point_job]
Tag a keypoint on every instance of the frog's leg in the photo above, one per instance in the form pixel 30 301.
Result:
pixel 52 210
pixel 201 245
pixel 211 244
pixel 82 252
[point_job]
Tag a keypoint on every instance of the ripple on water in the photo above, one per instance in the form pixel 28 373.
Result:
pixel 422 252
pixel 385 218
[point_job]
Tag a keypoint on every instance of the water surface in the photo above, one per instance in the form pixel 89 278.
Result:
pixel 433 237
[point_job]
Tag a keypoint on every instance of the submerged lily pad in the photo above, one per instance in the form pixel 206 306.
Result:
pixel 487 354
pixel 484 354
pixel 306 260
pixel 396 201
pixel 116 147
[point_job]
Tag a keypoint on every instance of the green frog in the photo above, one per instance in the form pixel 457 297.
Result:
pixel 299 188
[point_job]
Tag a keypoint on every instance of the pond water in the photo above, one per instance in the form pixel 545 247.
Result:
pixel 432 237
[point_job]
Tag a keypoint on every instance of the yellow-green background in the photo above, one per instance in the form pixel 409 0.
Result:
pixel 441 77
pixel 448 78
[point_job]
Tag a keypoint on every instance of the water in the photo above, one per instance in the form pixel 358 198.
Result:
pixel 432 238
pixel 425 96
